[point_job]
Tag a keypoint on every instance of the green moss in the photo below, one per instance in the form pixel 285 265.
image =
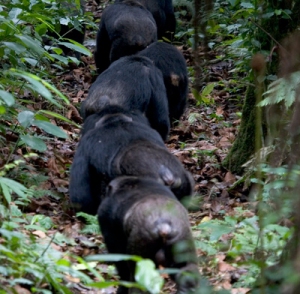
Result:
pixel 244 145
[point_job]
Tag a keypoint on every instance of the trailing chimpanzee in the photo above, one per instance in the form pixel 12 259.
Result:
pixel 132 82
pixel 117 142
pixel 172 64
pixel 140 216
pixel 125 29
pixel 163 13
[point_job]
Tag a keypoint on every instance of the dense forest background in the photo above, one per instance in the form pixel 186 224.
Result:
pixel 239 138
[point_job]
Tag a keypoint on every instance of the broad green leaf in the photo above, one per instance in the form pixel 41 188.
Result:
pixel 196 95
pixel 87 265
pixel 14 13
pixel 247 5
pixel 33 62
pixel 57 50
pixel 148 276
pixel 60 58
pixel 39 116
pixel 34 142
pixel 58 116
pixel 233 2
pixel 34 81
pixel 2 109
pixel 3 271
pixel 35 228
pixel 37 85
pixel 44 221
pixel 76 47
pixel 26 118
pixel 112 257
pixel 65 21
pixel 7 98
pixel 52 88
pixel 18 48
pixel 208 89
pixel 61 239
pixel 6 192
pixel 74 60
pixel 216 230
pixel 16 187
pixel 31 44
pixel 108 284
pixel 103 284
pixel 91 266
pixel 21 281
pixel 278 11
pixel 50 128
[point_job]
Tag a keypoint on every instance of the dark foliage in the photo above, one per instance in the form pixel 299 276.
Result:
pixel 70 31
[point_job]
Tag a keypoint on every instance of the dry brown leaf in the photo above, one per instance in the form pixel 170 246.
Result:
pixel 225 267
pixel 53 166
pixel 72 279
pixel 226 285
pixel 229 178
pixel 225 142
pixel 219 111
pixel 208 147
pixel 21 290
pixel 240 290
pixel 56 247
pixel 60 183
pixel 39 234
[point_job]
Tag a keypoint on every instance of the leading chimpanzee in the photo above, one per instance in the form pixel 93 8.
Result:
pixel 132 82
pixel 163 13
pixel 117 142
pixel 140 216
pixel 125 29
pixel 169 60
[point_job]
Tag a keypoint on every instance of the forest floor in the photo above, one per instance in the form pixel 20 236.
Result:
pixel 200 140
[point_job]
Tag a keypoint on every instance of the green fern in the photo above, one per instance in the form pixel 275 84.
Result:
pixel 92 226
pixel 283 89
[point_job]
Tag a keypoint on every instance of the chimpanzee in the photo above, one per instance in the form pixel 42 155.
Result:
pixel 140 216
pixel 172 64
pixel 132 82
pixel 163 13
pixel 125 29
pixel 119 142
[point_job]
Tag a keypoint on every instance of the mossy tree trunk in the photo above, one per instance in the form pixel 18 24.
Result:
pixel 271 31
pixel 244 145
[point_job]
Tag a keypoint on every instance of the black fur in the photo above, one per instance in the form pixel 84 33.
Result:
pixel 163 13
pixel 143 217
pixel 125 29
pixel 116 142
pixel 169 60
pixel 132 82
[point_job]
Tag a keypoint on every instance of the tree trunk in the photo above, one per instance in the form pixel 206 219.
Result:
pixel 270 32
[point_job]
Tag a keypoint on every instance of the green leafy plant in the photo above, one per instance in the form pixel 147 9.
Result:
pixel 147 277
pixel 242 229
pixel 91 226
pixel 204 96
